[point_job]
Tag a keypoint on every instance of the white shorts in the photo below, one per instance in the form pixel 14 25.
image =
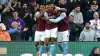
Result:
pixel 63 36
pixel 51 33
pixel 39 36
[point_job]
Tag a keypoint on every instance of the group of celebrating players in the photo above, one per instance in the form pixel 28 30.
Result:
pixel 52 25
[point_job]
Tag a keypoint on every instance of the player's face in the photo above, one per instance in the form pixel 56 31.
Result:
pixel 51 6
pixel 15 14
pixel 47 7
pixel 87 26
pixel 42 7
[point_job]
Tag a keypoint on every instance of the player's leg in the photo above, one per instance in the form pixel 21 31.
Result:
pixel 41 50
pixel 65 43
pixel 37 48
pixel 36 42
pixel 65 48
pixel 59 41
pixel 52 46
pixel 53 40
pixel 47 38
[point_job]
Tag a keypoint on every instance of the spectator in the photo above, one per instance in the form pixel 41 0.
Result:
pixel 78 18
pixel 19 21
pixel 95 24
pixel 93 8
pixel 33 8
pixel 95 52
pixel 84 4
pixel 90 12
pixel 96 3
pixel 28 19
pixel 63 4
pixel 73 29
pixel 4 35
pixel 87 34
pixel 17 34
pixel 6 14
pixel 78 15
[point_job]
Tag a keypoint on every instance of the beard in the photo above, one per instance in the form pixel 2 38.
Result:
pixel 87 28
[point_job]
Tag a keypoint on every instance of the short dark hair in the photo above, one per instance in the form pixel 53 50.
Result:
pixel 14 11
pixel 92 52
pixel 92 4
pixel 86 23
pixel 41 4
pixel 76 6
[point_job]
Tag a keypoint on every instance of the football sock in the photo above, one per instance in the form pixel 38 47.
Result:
pixel 37 48
pixel 65 48
pixel 47 49
pixel 60 46
pixel 52 50
pixel 41 50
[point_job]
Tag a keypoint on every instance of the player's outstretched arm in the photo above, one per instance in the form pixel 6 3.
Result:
pixel 62 16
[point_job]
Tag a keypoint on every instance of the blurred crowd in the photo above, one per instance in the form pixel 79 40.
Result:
pixel 18 17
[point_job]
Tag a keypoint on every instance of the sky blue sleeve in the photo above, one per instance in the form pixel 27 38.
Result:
pixel 12 31
pixel 55 20
pixel 62 16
